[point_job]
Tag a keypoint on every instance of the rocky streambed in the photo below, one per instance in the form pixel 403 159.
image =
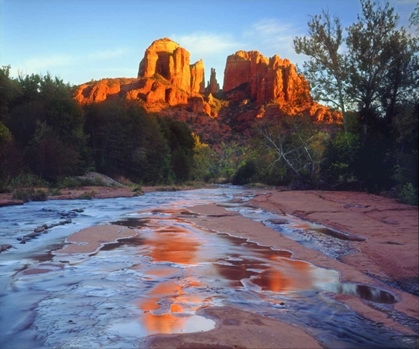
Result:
pixel 202 268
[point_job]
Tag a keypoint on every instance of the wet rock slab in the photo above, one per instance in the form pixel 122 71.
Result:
pixel 238 329
pixel 90 240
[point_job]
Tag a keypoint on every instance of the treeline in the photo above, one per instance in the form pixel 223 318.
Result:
pixel 46 136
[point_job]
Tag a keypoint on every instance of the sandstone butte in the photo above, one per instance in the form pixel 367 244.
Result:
pixel 169 84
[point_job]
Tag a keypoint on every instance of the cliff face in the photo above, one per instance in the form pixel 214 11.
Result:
pixel 197 77
pixel 166 58
pixel 265 79
pixel 166 79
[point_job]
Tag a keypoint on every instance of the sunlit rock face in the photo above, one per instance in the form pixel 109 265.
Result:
pixel 197 77
pixel 166 58
pixel 254 87
pixel 265 78
pixel 99 91
pixel 252 76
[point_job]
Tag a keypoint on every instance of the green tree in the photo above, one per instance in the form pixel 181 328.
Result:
pixel 246 173
pixel 181 143
pixel 205 161
pixel 8 91
pixel 338 164
pixel 326 68
pixel 49 157
pixel 379 54
pixel 126 141
pixel 232 155
pixel 41 115
pixel 299 145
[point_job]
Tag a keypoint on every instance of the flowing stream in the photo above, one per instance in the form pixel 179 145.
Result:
pixel 156 281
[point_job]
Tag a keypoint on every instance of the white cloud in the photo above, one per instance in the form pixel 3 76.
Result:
pixel 271 36
pixel 202 44
pixel 275 34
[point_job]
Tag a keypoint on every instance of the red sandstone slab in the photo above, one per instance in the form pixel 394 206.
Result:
pixel 90 240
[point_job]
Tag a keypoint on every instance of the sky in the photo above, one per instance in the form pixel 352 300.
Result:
pixel 81 40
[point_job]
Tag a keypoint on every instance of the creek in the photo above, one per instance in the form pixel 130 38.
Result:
pixel 156 281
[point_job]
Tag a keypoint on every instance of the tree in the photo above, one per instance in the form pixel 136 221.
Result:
pixel 414 19
pixel 298 144
pixel 181 143
pixel 326 68
pixel 398 85
pixel 379 53
pixel 126 141
pixel 205 161
pixel 231 156
pixel 49 157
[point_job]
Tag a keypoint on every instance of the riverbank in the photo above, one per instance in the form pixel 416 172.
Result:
pixel 385 255
pixel 91 192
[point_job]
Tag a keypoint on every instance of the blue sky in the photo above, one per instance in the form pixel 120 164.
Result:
pixel 80 40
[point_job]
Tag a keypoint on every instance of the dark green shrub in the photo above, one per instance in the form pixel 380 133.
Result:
pixel 245 174
pixel 409 195
pixel 87 195
pixel 69 182
pixel 55 192
pixel 39 195
pixel 30 195
pixel 22 194
pixel 27 180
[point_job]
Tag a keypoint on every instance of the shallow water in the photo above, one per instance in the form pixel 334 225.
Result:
pixel 155 282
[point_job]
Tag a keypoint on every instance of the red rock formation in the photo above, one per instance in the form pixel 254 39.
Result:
pixel 264 79
pixel 265 87
pixel 166 58
pixel 213 87
pixel 197 77
pixel 98 91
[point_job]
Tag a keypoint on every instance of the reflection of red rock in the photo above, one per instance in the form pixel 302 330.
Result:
pixel 182 303
pixel 289 274
pixel 174 244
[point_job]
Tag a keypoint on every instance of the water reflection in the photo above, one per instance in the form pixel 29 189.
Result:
pixel 173 244
pixel 156 282
pixel 190 266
